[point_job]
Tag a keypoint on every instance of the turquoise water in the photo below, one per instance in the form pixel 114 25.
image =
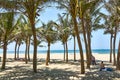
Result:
pixel 98 51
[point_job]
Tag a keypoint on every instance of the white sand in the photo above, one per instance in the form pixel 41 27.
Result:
pixel 57 70
pixel 102 57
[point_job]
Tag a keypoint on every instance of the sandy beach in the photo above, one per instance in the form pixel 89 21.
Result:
pixel 104 57
pixel 57 69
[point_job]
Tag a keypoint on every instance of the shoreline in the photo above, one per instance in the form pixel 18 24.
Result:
pixel 98 51
pixel 102 57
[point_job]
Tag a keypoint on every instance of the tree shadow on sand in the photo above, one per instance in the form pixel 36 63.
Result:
pixel 21 73
pixel 102 75
pixel 25 72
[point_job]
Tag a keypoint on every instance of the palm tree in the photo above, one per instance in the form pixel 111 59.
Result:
pixel 18 37
pixel 31 8
pixel 7 25
pixel 26 34
pixel 71 7
pixel 109 30
pixel 118 58
pixel 81 5
pixel 113 8
pixel 49 33
pixel 7 6
pixel 74 37
pixel 64 32
pixel 86 11
pixel 111 42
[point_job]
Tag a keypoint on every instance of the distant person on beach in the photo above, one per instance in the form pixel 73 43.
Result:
pixel 93 62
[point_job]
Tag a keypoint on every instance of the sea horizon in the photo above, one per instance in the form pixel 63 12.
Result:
pixel 96 51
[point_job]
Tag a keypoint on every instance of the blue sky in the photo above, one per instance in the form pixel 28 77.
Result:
pixel 99 40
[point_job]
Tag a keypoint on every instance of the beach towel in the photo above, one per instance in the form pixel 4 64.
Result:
pixel 106 69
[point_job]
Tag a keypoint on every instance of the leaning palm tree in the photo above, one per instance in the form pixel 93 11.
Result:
pixel 71 7
pixel 73 11
pixel 86 11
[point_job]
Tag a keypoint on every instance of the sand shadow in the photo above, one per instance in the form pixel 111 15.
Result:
pixel 22 73
pixel 102 75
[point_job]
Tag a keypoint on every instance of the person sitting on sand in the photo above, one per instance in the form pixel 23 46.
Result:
pixel 93 62
pixel 103 68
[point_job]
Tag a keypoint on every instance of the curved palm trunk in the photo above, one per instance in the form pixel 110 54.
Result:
pixel 48 54
pixel 79 45
pixel 111 48
pixel 66 52
pixel 118 58
pixel 4 54
pixel 86 44
pixel 114 41
pixel 15 49
pixel 74 49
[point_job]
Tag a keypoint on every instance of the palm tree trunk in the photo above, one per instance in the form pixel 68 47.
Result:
pixel 86 44
pixel 15 49
pixel 89 39
pixel 111 48
pixel 26 51
pixel 48 54
pixel 89 46
pixel 74 49
pixel 66 52
pixel 79 45
pixel 114 41
pixel 47 58
pixel 118 58
pixel 18 50
pixel 4 54
pixel 35 46
pixel 29 48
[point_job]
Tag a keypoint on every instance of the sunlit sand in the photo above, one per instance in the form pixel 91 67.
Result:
pixel 57 69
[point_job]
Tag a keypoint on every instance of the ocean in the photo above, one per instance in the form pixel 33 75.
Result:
pixel 96 51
